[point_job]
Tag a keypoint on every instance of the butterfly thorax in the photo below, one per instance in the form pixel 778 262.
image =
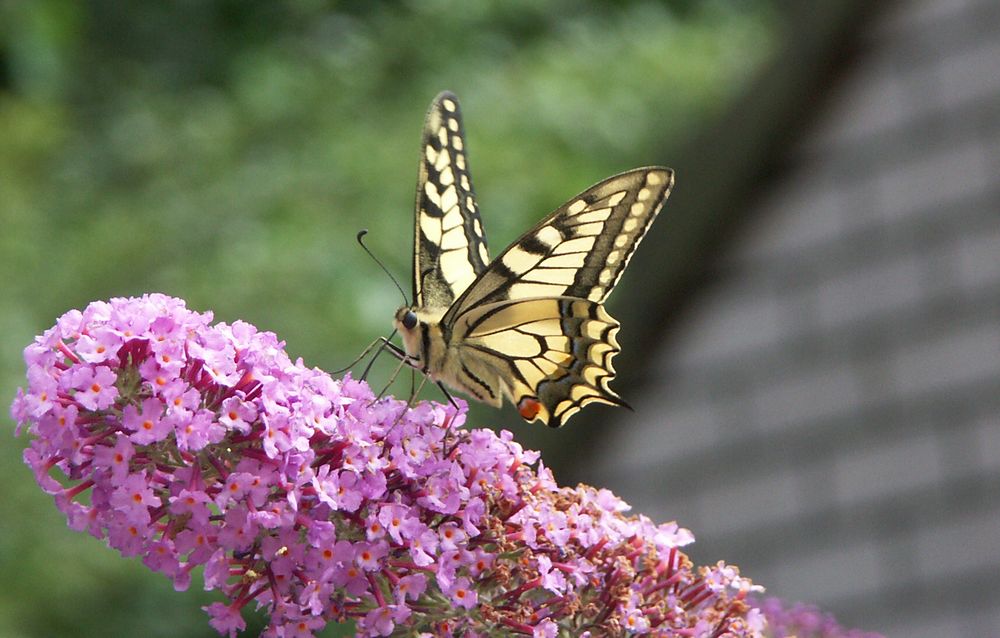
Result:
pixel 422 338
pixel 430 346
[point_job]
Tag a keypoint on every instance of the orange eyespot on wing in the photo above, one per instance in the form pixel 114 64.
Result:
pixel 528 408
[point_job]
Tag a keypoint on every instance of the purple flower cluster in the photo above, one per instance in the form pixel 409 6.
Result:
pixel 190 444
pixel 804 621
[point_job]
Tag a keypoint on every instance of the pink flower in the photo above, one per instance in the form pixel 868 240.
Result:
pixel 134 494
pixel 237 414
pixel 382 620
pixel 337 489
pixel 462 595
pixel 801 621
pixel 190 444
pixel 95 387
pixel 369 555
pixel 411 587
pixel 146 423
pixel 96 346
pixel 116 459
pixel 225 619
pixel 452 536
pixel 545 629
pixel 193 503
pixel 396 520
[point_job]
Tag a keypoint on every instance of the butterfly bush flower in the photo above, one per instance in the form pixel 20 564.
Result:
pixel 191 444
pixel 804 621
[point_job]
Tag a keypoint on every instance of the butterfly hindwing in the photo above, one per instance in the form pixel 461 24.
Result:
pixel 550 356
pixel 449 242
pixel 578 251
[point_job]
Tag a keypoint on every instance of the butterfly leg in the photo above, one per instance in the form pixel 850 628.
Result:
pixel 400 354
pixel 404 359
pixel 385 344
pixel 415 393
pixel 392 378
pixel 409 404
pixel 364 353
pixel 451 399
pixel 380 342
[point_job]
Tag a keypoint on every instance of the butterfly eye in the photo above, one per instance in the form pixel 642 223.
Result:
pixel 409 320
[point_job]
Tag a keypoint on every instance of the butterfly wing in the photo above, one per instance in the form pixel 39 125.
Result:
pixel 532 325
pixel 578 251
pixel 449 242
pixel 550 356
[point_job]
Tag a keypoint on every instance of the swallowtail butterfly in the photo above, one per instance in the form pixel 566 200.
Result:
pixel 529 325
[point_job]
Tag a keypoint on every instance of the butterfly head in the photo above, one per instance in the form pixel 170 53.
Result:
pixel 411 330
pixel 406 319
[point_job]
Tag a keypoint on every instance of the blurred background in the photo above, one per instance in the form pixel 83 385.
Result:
pixel 810 331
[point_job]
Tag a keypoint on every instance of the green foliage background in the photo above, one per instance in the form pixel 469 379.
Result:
pixel 227 153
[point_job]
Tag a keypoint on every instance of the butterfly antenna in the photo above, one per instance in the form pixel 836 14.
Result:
pixel 361 236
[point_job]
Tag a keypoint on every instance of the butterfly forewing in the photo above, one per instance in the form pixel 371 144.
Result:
pixel 449 242
pixel 580 250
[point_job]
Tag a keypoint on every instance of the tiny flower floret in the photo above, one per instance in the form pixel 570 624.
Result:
pixel 189 443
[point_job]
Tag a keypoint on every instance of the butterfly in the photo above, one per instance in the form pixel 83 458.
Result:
pixel 529 325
